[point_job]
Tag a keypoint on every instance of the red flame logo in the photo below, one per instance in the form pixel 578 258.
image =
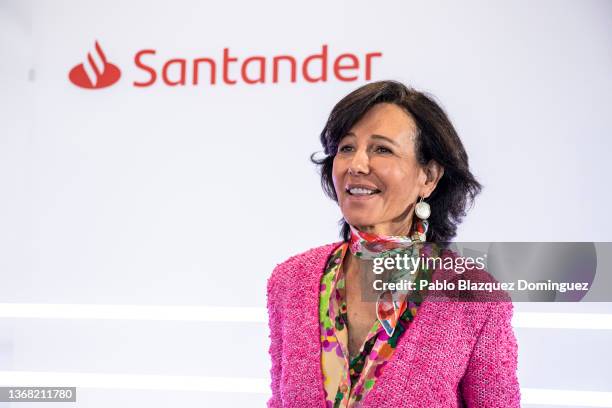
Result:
pixel 96 72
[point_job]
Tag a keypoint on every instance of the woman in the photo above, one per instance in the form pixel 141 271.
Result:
pixel 398 171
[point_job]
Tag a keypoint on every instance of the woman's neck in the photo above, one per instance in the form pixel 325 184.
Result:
pixel 393 228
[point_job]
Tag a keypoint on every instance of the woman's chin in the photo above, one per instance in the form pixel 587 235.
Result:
pixel 360 221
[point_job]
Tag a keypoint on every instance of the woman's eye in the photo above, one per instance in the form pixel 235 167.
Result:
pixel 345 148
pixel 381 149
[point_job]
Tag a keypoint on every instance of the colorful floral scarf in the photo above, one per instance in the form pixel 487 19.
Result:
pixel 347 380
pixel 367 246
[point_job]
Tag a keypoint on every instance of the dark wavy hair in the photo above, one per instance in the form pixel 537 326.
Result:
pixel 436 139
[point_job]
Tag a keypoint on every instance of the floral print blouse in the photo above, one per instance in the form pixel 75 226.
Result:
pixel 347 382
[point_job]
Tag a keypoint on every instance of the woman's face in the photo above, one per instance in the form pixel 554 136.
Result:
pixel 376 174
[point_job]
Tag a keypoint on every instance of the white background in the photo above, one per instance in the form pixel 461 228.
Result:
pixel 189 196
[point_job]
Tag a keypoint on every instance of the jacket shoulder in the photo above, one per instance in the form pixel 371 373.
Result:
pixel 294 267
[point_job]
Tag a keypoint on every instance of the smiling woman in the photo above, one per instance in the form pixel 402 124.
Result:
pixel 399 173
pixel 383 201
pixel 424 147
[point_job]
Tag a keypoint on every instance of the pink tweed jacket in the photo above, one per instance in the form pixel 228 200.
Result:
pixel 454 354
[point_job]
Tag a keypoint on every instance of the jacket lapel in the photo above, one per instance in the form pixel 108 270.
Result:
pixel 303 376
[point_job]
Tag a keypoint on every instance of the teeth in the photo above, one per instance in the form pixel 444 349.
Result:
pixel 361 191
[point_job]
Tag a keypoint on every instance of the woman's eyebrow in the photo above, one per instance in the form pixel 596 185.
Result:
pixel 393 142
pixel 375 136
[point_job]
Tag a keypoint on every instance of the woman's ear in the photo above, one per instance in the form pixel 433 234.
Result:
pixel 434 172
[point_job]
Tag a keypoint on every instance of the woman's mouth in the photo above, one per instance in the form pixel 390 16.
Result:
pixel 361 192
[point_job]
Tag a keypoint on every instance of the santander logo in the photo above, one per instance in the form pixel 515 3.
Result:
pixel 96 72
pixel 226 67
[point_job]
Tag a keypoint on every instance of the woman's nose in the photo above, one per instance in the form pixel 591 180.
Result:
pixel 359 164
